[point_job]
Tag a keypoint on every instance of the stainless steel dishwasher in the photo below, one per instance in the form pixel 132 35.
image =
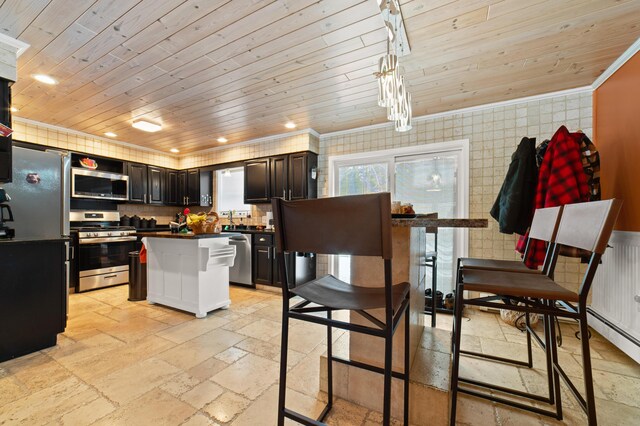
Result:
pixel 240 272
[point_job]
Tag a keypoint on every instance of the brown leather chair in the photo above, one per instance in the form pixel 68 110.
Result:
pixel 544 227
pixel 585 226
pixel 356 225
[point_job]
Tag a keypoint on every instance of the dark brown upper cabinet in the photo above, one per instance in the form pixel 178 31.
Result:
pixel 292 177
pixel 156 178
pixel 279 176
pixel 171 188
pixel 137 183
pixel 257 181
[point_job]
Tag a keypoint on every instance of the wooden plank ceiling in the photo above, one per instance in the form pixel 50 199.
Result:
pixel 242 68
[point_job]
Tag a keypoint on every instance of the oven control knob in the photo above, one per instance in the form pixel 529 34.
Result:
pixel 108 234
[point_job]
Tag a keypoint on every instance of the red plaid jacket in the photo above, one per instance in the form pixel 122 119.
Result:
pixel 561 180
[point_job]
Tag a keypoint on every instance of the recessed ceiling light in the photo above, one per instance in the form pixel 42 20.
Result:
pixel 110 134
pixel 174 150
pixel 222 139
pixel 14 109
pixel 46 79
pixel 146 126
pixel 290 125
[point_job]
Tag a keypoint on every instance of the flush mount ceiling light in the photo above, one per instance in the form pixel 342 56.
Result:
pixel 110 135
pixel 46 79
pixel 222 139
pixel 392 89
pixel 146 126
pixel 174 150
pixel 290 125
pixel 14 109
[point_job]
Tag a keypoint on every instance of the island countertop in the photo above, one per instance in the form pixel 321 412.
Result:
pixel 432 220
pixel 182 236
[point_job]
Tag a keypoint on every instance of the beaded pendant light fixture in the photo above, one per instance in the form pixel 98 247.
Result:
pixel 392 89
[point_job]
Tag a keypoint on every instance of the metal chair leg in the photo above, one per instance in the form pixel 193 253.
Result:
pixel 329 364
pixel 547 352
pixel 586 365
pixel 407 361
pixel 434 289
pixel 455 367
pixel 283 367
pixel 388 348
pixel 554 359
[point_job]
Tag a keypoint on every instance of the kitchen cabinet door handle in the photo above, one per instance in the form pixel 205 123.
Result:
pixel 110 276
pixel 289 194
pixel 269 253
pixel 284 193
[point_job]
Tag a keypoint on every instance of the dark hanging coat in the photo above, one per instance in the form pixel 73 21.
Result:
pixel 513 208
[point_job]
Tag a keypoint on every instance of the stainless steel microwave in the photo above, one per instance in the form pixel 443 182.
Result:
pixel 99 185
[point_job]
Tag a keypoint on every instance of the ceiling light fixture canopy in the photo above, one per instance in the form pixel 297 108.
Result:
pixel 46 79
pixel 146 126
pixel 14 109
pixel 222 139
pixel 174 150
pixel 110 134
pixel 290 125
pixel 392 88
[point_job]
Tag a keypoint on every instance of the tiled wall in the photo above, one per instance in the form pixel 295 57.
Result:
pixel 253 149
pixel 74 141
pixel 27 131
pixel 493 134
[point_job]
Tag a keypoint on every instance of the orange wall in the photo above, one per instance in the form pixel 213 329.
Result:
pixel 617 137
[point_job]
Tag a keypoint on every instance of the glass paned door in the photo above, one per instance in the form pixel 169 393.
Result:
pixel 430 183
pixel 358 178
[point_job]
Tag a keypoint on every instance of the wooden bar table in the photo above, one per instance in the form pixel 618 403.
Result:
pixel 409 247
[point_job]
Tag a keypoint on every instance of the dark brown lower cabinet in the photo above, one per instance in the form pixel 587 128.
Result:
pixel 33 295
pixel 265 267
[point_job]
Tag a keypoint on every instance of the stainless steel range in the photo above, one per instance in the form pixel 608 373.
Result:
pixel 103 248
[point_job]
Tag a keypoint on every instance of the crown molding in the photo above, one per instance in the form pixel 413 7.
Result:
pixel 20 46
pixel 88 135
pixel 615 66
pixel 575 91
pixel 308 131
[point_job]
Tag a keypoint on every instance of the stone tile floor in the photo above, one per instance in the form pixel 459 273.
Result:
pixel 132 363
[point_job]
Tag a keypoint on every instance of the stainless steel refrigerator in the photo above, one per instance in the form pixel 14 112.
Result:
pixel 40 195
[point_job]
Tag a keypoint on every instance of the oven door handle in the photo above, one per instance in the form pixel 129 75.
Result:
pixel 106 240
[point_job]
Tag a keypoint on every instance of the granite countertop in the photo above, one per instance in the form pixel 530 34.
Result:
pixel 182 236
pixel 33 240
pixel 433 221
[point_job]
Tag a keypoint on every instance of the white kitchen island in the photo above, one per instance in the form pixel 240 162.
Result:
pixel 187 271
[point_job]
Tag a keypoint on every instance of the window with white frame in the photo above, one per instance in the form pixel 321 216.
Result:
pixel 433 177
pixel 230 191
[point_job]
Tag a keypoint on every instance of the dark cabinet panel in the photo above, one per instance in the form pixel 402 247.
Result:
pixel 303 176
pixel 262 265
pixel 171 188
pixel 32 299
pixel 137 183
pixel 256 181
pixel 5 142
pixel 279 176
pixel 193 187
pixel 182 188
pixel 156 182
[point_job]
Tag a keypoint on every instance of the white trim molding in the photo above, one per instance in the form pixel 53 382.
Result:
pixel 20 46
pixel 308 131
pixel 617 64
